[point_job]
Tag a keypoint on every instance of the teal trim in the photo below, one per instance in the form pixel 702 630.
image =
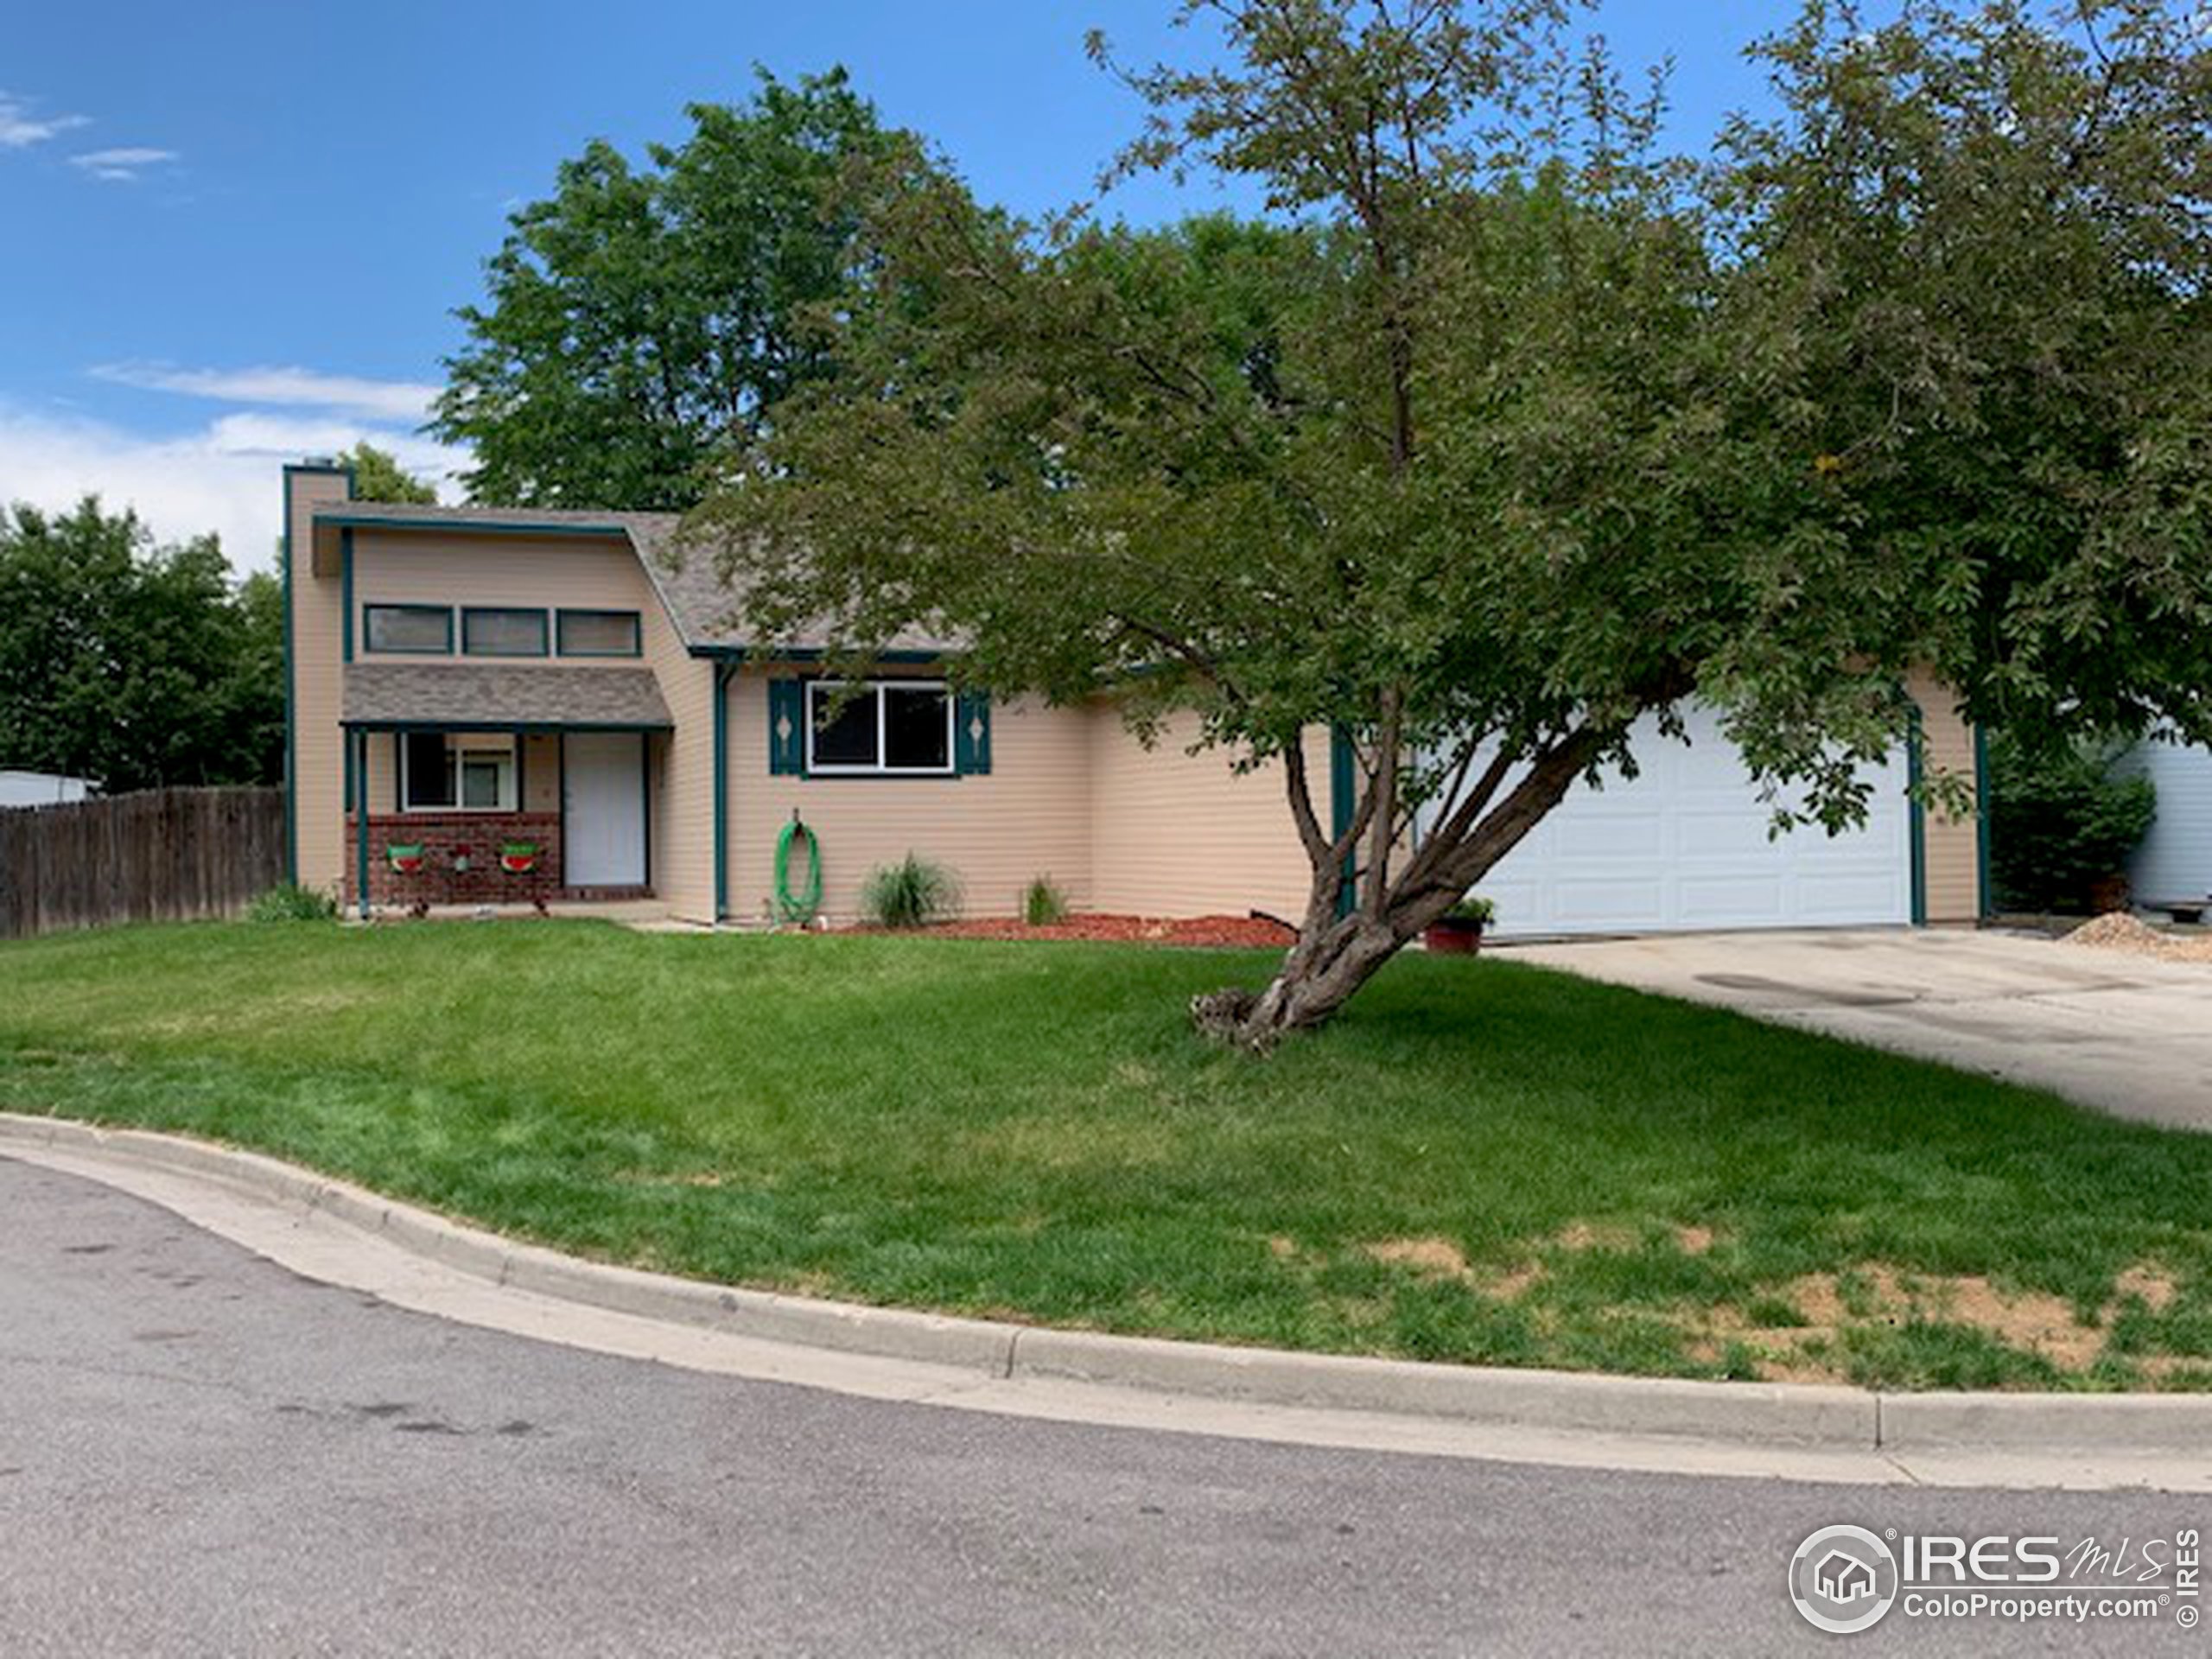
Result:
pixel 1984 895
pixel 284 552
pixel 368 637
pixel 468 612
pixel 724 672
pixel 359 761
pixel 560 632
pixel 345 579
pixel 1914 771
pixel 971 734
pixel 378 521
pixel 808 654
pixel 508 726
pixel 1343 788
pixel 645 794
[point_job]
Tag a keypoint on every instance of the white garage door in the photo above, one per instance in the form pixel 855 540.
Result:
pixel 2174 860
pixel 1684 845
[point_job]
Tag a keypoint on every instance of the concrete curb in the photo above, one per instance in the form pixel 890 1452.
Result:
pixel 1753 1414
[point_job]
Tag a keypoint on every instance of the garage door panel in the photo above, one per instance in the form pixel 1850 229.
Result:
pixel 1686 845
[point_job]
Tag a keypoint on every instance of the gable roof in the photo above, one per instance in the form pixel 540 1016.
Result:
pixel 698 601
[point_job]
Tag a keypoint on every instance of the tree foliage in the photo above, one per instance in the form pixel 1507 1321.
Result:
pixel 134 665
pixel 377 476
pixel 2062 821
pixel 642 318
pixel 1501 431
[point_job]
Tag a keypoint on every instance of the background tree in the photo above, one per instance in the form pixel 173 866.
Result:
pixel 641 320
pixel 377 476
pixel 130 664
pixel 1497 439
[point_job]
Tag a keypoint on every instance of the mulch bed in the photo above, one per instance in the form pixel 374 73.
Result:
pixel 1217 932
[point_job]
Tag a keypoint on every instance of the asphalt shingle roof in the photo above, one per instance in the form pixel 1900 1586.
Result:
pixel 461 695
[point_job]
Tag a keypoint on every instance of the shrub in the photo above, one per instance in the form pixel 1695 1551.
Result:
pixel 913 892
pixel 287 901
pixel 1044 903
pixel 2060 821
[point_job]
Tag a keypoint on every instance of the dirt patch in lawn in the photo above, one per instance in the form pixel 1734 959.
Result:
pixel 1210 933
pixel 1438 1258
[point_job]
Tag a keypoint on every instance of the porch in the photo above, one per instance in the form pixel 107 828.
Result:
pixel 502 787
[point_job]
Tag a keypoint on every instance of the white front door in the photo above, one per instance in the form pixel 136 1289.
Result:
pixel 603 809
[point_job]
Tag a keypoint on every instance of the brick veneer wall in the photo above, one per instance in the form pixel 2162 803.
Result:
pixel 437 882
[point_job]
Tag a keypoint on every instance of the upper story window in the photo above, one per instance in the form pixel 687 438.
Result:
pixel 502 633
pixel 424 629
pixel 894 725
pixel 598 633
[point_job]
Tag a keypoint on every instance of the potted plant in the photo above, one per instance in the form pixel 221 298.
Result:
pixel 406 857
pixel 460 861
pixel 1458 930
pixel 518 857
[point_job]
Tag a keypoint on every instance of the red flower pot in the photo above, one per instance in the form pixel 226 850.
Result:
pixel 1453 938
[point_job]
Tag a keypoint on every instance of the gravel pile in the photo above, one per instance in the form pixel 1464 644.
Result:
pixel 2118 930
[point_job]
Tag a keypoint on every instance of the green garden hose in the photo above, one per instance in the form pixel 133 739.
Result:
pixel 801 909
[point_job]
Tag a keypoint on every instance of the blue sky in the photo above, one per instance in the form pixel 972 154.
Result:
pixel 238 232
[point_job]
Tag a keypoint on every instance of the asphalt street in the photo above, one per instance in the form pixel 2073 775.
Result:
pixel 201 1453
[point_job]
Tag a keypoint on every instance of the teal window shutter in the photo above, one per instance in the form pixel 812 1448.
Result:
pixel 971 733
pixel 787 728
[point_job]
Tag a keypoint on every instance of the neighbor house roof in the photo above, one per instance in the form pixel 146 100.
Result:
pixel 699 602
pixel 464 695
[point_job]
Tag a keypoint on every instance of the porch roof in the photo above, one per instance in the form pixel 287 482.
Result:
pixel 398 696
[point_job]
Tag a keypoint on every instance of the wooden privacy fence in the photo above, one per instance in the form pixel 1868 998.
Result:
pixel 166 855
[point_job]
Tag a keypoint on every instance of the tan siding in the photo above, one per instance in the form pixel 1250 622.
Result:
pixel 1953 863
pixel 551 572
pixel 318 650
pixel 683 769
pixel 1028 817
pixel 1174 834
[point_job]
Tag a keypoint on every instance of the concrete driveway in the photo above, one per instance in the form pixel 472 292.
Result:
pixel 2130 1035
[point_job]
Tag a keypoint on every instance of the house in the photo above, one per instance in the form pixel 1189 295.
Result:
pixel 2174 863
pixel 525 704
pixel 42 789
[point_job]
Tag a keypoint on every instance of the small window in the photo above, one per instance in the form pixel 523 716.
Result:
pixel 423 629
pixel 440 771
pixel 502 633
pixel 893 728
pixel 599 633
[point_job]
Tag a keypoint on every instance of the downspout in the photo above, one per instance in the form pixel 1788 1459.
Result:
pixel 1914 772
pixel 1342 788
pixel 1984 895
pixel 724 669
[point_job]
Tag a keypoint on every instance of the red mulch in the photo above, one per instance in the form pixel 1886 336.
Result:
pixel 1239 932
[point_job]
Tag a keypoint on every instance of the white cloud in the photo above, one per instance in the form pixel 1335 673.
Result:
pixel 375 400
pixel 226 476
pixel 20 129
pixel 124 165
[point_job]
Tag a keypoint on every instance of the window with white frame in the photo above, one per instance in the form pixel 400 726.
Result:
pixel 888 726
pixel 450 772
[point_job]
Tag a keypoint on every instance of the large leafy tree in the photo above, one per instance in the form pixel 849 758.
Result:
pixel 377 476
pixel 1498 435
pixel 133 664
pixel 641 318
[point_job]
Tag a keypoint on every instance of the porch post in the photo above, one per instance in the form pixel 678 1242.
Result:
pixel 359 759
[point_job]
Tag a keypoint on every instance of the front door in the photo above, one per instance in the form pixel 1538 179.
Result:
pixel 603 809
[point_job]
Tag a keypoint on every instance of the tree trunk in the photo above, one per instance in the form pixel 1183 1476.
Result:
pixel 1318 976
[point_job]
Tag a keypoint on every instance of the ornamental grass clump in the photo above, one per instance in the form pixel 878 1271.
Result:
pixel 911 893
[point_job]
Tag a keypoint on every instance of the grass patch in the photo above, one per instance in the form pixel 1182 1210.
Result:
pixel 1479 1162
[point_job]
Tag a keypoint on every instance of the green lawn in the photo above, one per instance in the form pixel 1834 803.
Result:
pixel 1479 1162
